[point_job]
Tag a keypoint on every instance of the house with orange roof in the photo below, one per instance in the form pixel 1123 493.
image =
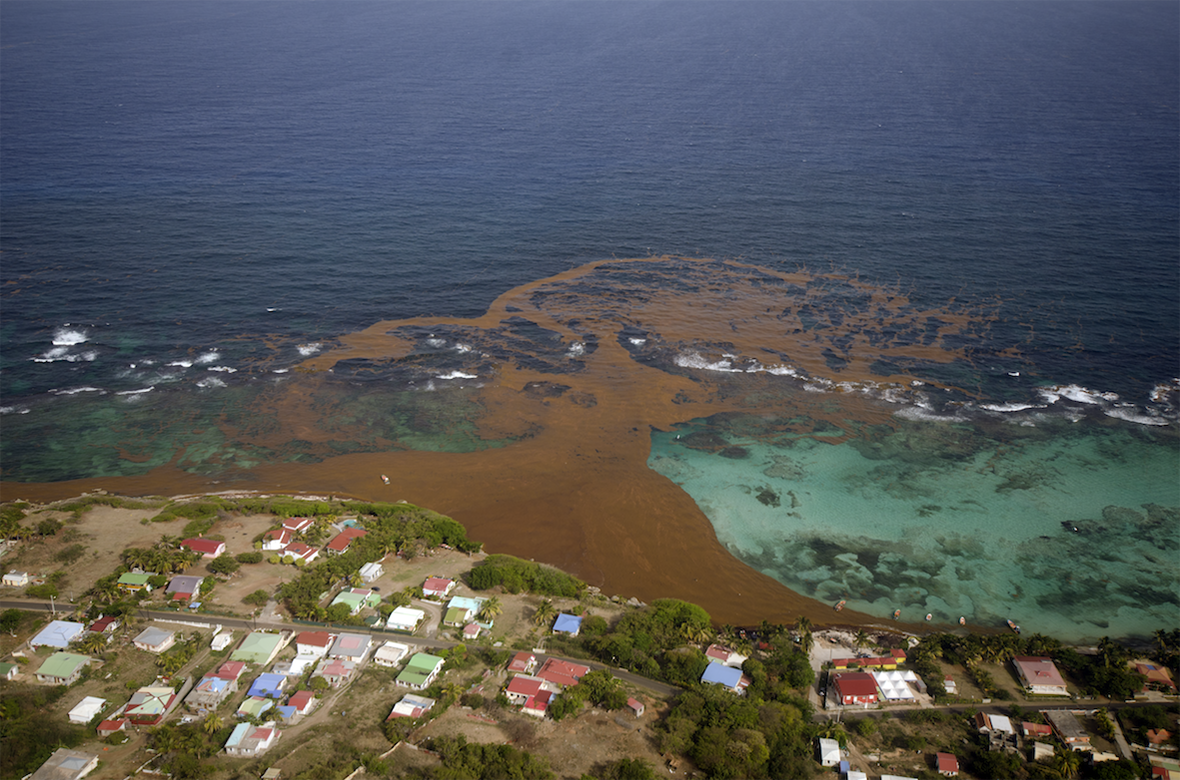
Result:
pixel 1039 675
pixel 343 540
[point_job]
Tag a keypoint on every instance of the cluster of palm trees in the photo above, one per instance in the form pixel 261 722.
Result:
pixel 166 557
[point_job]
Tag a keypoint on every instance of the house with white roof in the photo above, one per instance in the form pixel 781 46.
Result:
pixel 390 654
pixel 59 634
pixel 154 640
pixel 411 706
pixel 1039 675
pixel 16 579
pixel 302 552
pixel 405 619
pixel 723 655
pixel 250 740
pixel 298 525
pixel 85 710
pixel 371 571
pixel 66 764
pixel 829 752
pixel 352 647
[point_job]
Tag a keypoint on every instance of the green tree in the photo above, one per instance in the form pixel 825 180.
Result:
pixel 544 613
pixel 223 564
pixel 1066 762
pixel 489 609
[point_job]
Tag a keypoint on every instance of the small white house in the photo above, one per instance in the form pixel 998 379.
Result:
pixel 390 654
pixel 16 579
pixel 371 571
pixel 405 619
pixel 829 752
pixel 86 709
pixel 154 640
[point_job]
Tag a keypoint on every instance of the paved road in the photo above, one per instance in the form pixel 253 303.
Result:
pixel 250 624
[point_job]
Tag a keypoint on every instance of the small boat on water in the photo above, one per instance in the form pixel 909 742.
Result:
pixel 841 604
pixel 1013 626
pixel 896 614
pixel 385 479
pixel 930 616
pixel 962 620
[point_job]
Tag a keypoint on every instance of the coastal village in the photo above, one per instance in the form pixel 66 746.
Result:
pixel 129 648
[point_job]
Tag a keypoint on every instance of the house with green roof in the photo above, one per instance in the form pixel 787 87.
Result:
pixel 254 707
pixel 258 647
pixel 421 670
pixel 8 671
pixel 62 668
pixel 135 582
pixel 357 599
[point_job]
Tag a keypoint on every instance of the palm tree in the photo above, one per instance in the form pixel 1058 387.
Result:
pixel 806 640
pixel 861 639
pixel 489 609
pixel 212 723
pixel 92 644
pixel 701 635
pixel 544 613
pixel 1066 762
pixel 452 691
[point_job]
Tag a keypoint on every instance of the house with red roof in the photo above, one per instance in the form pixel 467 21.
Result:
pixel 1155 676
pixel 538 704
pixel 724 655
pixel 315 643
pixel 230 670
pixel 636 706
pixel 522 687
pixel 104 625
pixel 896 656
pixel 111 726
pixel 183 587
pixel 1039 675
pixel 1035 729
pixel 301 552
pixel 562 674
pixel 948 764
pixel 208 548
pixel 277 539
pixel 298 525
pixel 437 587
pixel 302 701
pixel 344 540
pixel 523 662
pixel 855 688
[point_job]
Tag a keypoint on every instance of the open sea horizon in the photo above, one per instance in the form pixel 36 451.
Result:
pixel 890 291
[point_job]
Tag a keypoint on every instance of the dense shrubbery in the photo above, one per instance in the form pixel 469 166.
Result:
pixel 485 762
pixel 390 527
pixel 516 575
pixel 651 641
pixel 30 731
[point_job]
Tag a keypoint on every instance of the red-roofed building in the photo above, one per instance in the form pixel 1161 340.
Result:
pixel 298 525
pixel 277 539
pixel 1036 729
pixel 562 673
pixel 896 656
pixel 538 704
pixel 230 670
pixel 109 727
pixel 636 706
pixel 1039 675
pixel 301 551
pixel 104 625
pixel 302 701
pixel 1158 737
pixel 855 688
pixel 437 587
pixel 1156 677
pixel 948 764
pixel 315 643
pixel 523 662
pixel 522 687
pixel 344 540
pixel 208 548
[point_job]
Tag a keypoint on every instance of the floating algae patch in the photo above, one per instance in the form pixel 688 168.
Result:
pixel 957 520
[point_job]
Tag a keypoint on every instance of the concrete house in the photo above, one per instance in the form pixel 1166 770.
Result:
pixel 183 587
pixel 421 670
pixel 336 671
pixel 343 540
pixel 1039 675
pixel 352 647
pixel 854 688
pixel 948 764
pixel 154 640
pixel 149 705
pixel 209 693
pixel 85 710
pixel 16 579
pixel 371 571
pixel 521 687
pixel 59 634
pixel 725 676
pixel 829 752
pixel 437 587
pixel 405 619
pixel 390 654
pixel 276 540
pixel 66 764
pixel 132 582
pixel 206 548
pixel 314 643
pixel 258 647
pixel 561 674
pixel 298 525
pixel 250 740
pixel 523 662
pixel 62 668
pixel 723 655
pixel 411 706
pixel 567 624
pixel 301 552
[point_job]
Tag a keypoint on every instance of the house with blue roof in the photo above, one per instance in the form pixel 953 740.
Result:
pixel 268 686
pixel 567 624
pixel 725 676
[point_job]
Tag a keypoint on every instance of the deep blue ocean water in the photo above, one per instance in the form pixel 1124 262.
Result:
pixel 194 194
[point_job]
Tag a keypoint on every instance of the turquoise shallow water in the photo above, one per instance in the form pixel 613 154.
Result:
pixel 953 519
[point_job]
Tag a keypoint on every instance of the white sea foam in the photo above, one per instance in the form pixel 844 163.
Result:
pixel 223 369
pixel 926 414
pixel 1010 407
pixel 16 409
pixel 280 371
pixel 182 363
pixel 63 353
pixel 458 375
pixel 76 390
pixel 462 348
pixel 436 343
pixel 1132 414
pixel 210 381
pixel 577 349
pixel 1076 393
pixel 309 349
pixel 64 337
pixel 136 392
pixel 638 342
pixel 209 357
pixel 697 361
